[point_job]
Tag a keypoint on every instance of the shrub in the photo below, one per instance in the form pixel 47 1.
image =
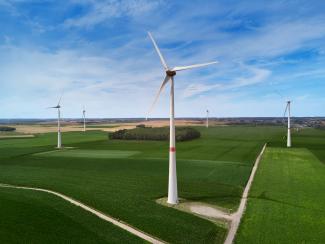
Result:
pixel 141 126
pixel 156 134
pixel 7 128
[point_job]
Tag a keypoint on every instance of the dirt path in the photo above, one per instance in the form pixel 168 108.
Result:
pixel 236 217
pixel 107 218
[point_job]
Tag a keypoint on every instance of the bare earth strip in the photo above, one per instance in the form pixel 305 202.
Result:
pixel 100 215
pixel 66 126
pixel 238 215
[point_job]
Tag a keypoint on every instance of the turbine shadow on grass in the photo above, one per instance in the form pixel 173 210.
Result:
pixel 263 196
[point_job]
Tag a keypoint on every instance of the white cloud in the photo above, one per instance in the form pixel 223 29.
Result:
pixel 195 89
pixel 108 87
pixel 257 75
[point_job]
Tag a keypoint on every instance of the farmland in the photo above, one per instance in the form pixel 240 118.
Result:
pixel 213 169
pixel 286 201
pixel 42 218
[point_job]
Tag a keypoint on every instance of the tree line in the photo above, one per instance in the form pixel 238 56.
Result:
pixel 7 128
pixel 156 134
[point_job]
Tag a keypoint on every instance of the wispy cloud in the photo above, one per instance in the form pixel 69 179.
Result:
pixel 255 76
pixel 195 89
pixel 101 11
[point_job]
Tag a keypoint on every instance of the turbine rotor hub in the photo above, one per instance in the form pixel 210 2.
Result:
pixel 171 73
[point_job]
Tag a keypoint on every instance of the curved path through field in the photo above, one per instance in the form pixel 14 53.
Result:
pixel 100 215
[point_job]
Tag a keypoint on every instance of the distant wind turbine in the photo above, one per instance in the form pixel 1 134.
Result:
pixel 84 118
pixel 170 73
pixel 287 109
pixel 59 125
pixel 207 122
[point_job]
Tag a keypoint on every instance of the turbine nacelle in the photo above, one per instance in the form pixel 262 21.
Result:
pixel 58 106
pixel 170 73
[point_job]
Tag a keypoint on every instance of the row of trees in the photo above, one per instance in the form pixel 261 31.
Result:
pixel 156 134
pixel 7 128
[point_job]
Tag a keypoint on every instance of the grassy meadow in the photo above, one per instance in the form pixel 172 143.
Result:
pixel 124 178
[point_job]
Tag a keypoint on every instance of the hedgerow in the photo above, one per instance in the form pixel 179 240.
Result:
pixel 7 128
pixel 156 134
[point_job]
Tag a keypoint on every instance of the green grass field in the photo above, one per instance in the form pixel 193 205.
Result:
pixel 212 169
pixel 84 153
pixel 34 217
pixel 286 202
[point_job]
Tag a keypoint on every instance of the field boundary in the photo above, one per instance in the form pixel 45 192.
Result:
pixel 86 153
pixel 199 160
pixel 16 136
pixel 238 215
pixel 95 212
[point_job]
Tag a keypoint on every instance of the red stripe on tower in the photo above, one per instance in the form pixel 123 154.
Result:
pixel 172 149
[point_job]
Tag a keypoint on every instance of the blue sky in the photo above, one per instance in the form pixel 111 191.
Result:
pixel 98 54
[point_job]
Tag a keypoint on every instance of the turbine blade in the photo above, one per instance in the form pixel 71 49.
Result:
pixel 286 109
pixel 60 100
pixel 167 78
pixel 179 68
pixel 163 62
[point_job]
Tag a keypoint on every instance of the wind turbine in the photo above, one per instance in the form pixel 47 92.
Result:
pixel 59 126
pixel 84 118
pixel 207 122
pixel 170 73
pixel 287 109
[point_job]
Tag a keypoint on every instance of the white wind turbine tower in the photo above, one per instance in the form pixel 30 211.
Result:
pixel 287 109
pixel 207 122
pixel 84 118
pixel 59 125
pixel 170 73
